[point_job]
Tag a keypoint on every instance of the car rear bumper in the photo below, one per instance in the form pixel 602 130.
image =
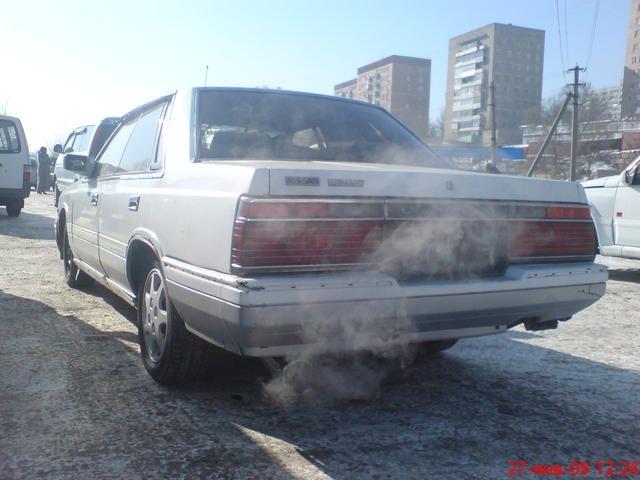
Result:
pixel 13 193
pixel 286 315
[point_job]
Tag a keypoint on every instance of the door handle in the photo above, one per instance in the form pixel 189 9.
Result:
pixel 134 203
pixel 94 200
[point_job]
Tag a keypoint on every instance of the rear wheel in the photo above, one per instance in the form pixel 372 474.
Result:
pixel 14 207
pixel 170 353
pixel 75 277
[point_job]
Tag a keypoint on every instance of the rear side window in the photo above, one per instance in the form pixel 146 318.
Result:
pixel 140 150
pixel 81 143
pixel 111 155
pixel 9 141
pixel 131 149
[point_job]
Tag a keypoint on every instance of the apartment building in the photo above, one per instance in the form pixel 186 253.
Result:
pixel 631 76
pixel 509 56
pixel 399 84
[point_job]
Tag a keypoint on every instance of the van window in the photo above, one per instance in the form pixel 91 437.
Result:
pixel 9 141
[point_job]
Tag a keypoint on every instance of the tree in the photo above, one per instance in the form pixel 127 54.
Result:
pixel 436 127
pixel 593 107
pixel 551 106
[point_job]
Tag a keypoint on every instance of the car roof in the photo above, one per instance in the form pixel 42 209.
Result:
pixel 287 92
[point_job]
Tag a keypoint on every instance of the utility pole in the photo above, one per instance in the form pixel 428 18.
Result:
pixel 550 134
pixel 574 119
pixel 206 74
pixel 492 106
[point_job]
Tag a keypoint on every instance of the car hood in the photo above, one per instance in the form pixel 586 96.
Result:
pixel 603 182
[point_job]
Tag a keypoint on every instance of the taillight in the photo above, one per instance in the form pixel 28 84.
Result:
pixel 26 176
pixel 321 234
pixel 304 235
pixel 552 239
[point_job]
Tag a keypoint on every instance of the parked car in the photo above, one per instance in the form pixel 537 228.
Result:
pixel 615 205
pixel 15 174
pixel 87 140
pixel 270 224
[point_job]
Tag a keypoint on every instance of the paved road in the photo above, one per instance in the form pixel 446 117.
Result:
pixel 75 401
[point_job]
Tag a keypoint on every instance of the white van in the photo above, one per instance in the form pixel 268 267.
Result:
pixel 15 175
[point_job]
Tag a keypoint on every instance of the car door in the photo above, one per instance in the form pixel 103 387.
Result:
pixel 627 209
pixel 86 196
pixel 123 200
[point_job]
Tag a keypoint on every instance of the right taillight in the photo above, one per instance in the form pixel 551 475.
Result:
pixel 565 232
pixel 26 176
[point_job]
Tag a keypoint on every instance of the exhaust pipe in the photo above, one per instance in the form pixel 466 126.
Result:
pixel 294 373
pixel 535 325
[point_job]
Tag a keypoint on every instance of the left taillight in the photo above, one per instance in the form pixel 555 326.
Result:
pixel 303 236
pixel 26 176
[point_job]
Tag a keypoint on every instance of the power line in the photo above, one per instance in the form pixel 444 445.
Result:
pixel 596 12
pixel 560 40
pixel 566 33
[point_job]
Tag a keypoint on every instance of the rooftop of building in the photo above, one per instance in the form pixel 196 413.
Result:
pixel 348 83
pixel 494 25
pixel 394 59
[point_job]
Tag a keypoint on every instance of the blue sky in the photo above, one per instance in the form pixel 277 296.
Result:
pixel 71 62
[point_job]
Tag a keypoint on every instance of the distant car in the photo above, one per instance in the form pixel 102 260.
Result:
pixel 615 207
pixel 272 223
pixel 15 174
pixel 86 140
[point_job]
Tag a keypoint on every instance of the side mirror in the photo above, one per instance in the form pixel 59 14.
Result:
pixel 632 177
pixel 57 148
pixel 76 163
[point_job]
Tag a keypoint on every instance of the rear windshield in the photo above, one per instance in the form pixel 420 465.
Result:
pixel 280 126
pixel 9 141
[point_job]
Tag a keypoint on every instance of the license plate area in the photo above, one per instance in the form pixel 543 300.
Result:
pixel 444 249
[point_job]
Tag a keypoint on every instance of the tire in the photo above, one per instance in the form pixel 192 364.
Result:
pixel 57 195
pixel 170 353
pixel 74 277
pixel 435 347
pixel 13 208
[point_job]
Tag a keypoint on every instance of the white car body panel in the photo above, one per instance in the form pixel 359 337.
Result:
pixel 615 207
pixel 186 213
pixel 13 164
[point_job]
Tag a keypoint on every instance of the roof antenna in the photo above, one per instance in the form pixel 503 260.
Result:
pixel 206 74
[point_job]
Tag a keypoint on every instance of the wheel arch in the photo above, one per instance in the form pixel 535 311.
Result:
pixel 60 227
pixel 141 253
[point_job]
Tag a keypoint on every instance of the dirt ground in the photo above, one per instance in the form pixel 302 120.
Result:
pixel 75 401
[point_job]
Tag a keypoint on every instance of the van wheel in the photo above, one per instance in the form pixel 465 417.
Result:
pixel 170 353
pixel 75 277
pixel 57 194
pixel 14 207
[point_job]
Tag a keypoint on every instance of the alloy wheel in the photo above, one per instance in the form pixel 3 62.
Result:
pixel 154 316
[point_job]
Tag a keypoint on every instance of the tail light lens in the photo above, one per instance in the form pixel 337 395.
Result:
pixel 291 243
pixel 291 235
pixel 568 232
pixel 26 176
pixel 323 234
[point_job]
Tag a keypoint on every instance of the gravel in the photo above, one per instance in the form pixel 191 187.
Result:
pixel 76 402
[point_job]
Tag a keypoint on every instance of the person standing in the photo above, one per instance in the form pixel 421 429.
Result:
pixel 44 165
